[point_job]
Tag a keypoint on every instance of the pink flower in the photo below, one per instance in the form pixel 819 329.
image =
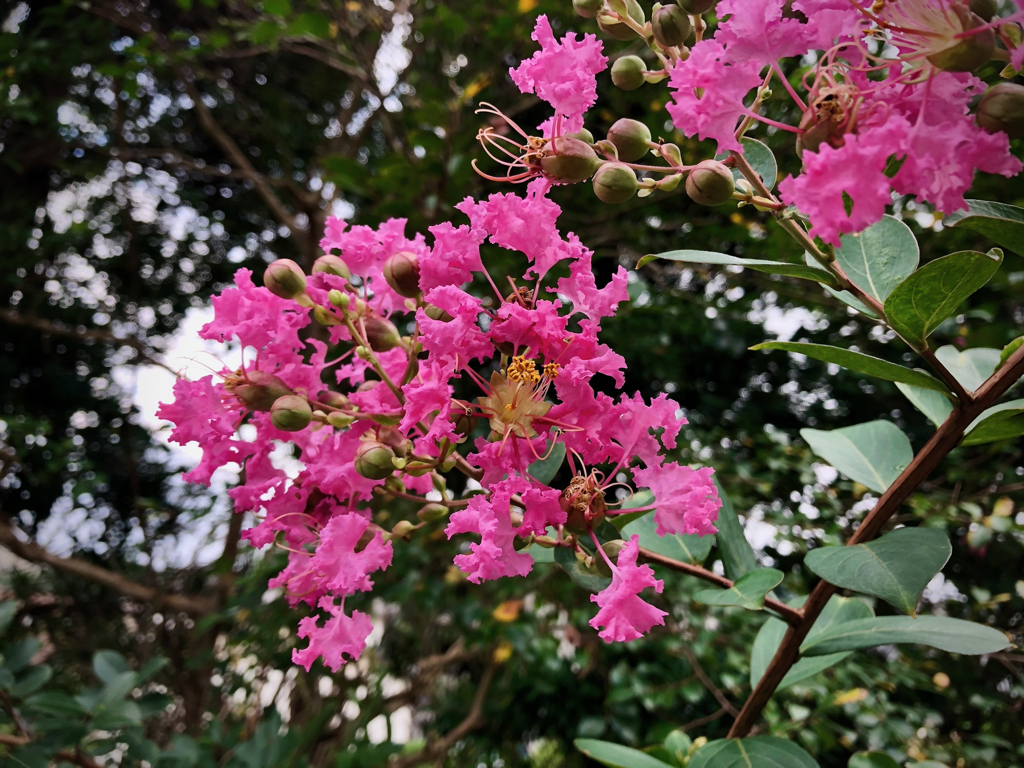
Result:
pixel 454 257
pixel 686 500
pixel 634 422
pixel 340 635
pixel 709 92
pixel 429 393
pixel 453 344
pixel 256 317
pixel 342 569
pixel 562 73
pixel 756 31
pixel 857 169
pixel 490 517
pixel 623 614
pixel 833 20
pixel 542 510
pixel 581 289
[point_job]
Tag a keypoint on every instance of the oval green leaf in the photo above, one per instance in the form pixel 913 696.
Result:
pixel 921 302
pixel 1001 223
pixel 616 755
pixel 689 549
pixel 859 362
pixel 942 632
pixel 736 553
pixel 589 578
pixel 872 760
pixel 760 265
pixel 881 567
pixel 879 258
pixel 1008 350
pixel 761 160
pixel 755 752
pixel 874 454
pixel 931 404
pixel 748 591
pixel 1000 422
pixel 970 367
pixel 838 610
pixel 544 470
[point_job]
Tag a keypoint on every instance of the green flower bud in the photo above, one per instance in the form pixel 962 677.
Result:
pixel 588 9
pixel 969 52
pixel 621 31
pixel 614 183
pixel 671 26
pixel 569 160
pixel 612 549
pixel 394 485
pixel 324 317
pixel 1002 109
pixel 436 313
pixel 984 9
pixel 340 420
pixel 402 271
pixel 259 390
pixel 285 278
pixel 374 460
pixel 628 72
pixel 583 135
pixel 631 139
pixel 710 183
pixel 381 334
pixel 340 299
pixel 291 413
pixel 432 512
pixel 697 7
pixel 332 265
pixel 402 529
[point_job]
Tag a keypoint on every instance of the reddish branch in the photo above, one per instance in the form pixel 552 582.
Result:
pixel 942 442
pixel 192 604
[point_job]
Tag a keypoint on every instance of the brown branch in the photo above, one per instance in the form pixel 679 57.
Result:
pixel 950 380
pixel 703 720
pixel 55 329
pixel 74 566
pixel 789 614
pixel 925 462
pixel 707 682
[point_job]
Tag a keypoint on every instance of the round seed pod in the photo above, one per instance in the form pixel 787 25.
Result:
pixel 285 278
pixel 381 334
pixel 710 183
pixel 260 390
pixel 671 26
pixel 569 160
pixel 291 413
pixel 588 9
pixel 628 72
pixel 333 265
pixel 615 183
pixel 1002 109
pixel 374 460
pixel 969 52
pixel 631 139
pixel 402 272
pixel 583 135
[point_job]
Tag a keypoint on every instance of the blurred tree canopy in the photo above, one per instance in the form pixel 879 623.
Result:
pixel 150 149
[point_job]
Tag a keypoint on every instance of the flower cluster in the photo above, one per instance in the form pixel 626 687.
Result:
pixel 485 387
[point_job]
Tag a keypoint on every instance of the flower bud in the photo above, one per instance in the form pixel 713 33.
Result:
pixel 402 271
pixel 588 9
pixel 332 265
pixel 612 549
pixel 970 51
pixel 631 139
pixel 710 183
pixel 697 7
pixel 259 390
pixel 984 9
pixel 374 460
pixel 622 31
pixel 671 26
pixel 394 485
pixel 325 317
pixel 1002 109
pixel 569 161
pixel 340 299
pixel 436 313
pixel 381 334
pixel 431 512
pixel 285 278
pixel 583 135
pixel 291 413
pixel 628 72
pixel 402 529
pixel 340 420
pixel 614 183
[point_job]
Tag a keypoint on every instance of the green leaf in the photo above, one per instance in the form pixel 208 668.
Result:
pixel 756 752
pixel 642 498
pixel 1000 422
pixel 882 568
pixel 761 160
pixel 689 549
pixel 970 367
pixel 616 755
pixel 859 362
pixel 946 634
pixel 1005 355
pixel 748 591
pixel 31 681
pixel 55 703
pixel 736 553
pixel 873 454
pixel 315 24
pixel 544 470
pixel 117 714
pixel 879 258
pixel 8 611
pixel 18 656
pixel 931 404
pixel 872 760
pixel 760 265
pixel 266 32
pixel 108 664
pixel 1001 223
pixel 150 668
pixel 116 689
pixel 837 611
pixel 921 302
pixel 277 7
pixel 589 578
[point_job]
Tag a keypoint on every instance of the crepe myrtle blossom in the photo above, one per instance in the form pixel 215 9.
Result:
pixel 885 110
pixel 397 364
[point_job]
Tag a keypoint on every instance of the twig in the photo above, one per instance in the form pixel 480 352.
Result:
pixel 707 682
pixel 942 442
pixel 703 720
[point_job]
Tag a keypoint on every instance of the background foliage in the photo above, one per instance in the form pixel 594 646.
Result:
pixel 148 149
